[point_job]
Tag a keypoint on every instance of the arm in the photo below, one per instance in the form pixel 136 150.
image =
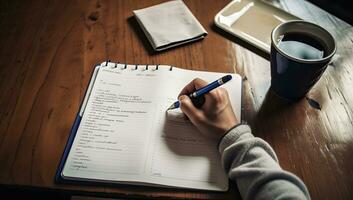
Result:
pixel 249 161
pixel 252 163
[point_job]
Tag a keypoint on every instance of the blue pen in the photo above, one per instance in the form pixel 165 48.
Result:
pixel 197 97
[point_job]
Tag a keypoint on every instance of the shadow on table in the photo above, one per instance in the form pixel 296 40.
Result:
pixel 23 192
pixel 140 34
pixel 273 104
pixel 277 114
pixel 239 41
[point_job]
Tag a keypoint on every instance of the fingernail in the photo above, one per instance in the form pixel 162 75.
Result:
pixel 182 97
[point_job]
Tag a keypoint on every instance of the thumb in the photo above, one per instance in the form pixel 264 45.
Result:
pixel 188 108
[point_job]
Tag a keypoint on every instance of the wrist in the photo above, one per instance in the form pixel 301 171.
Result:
pixel 227 131
pixel 239 132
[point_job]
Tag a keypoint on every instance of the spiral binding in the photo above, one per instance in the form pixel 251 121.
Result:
pixel 106 63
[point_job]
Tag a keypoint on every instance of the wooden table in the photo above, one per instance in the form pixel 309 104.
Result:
pixel 47 53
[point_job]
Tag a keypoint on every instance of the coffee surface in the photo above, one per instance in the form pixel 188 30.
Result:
pixel 301 46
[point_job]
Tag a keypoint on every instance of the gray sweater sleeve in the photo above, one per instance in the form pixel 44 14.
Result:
pixel 253 165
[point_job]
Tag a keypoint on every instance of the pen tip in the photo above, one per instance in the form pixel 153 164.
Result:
pixel 171 107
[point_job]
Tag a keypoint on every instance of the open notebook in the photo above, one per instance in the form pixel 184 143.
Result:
pixel 122 133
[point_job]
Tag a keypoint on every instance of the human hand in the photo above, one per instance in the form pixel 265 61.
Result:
pixel 216 115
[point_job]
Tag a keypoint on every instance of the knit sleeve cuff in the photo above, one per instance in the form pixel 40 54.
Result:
pixel 233 135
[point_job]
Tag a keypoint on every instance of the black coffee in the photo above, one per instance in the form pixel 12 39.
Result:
pixel 301 46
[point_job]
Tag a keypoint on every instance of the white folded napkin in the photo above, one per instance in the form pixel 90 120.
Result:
pixel 169 24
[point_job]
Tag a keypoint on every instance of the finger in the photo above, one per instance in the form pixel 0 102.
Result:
pixel 217 97
pixel 195 84
pixel 188 108
pixel 199 83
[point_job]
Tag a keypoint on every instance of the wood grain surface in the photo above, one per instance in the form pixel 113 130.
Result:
pixel 48 50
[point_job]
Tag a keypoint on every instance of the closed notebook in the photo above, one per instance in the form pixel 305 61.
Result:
pixel 123 135
pixel 169 24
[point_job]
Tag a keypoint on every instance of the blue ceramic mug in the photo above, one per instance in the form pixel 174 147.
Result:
pixel 300 53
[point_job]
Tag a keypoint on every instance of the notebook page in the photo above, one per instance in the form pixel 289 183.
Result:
pixel 125 135
pixel 111 141
pixel 181 155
